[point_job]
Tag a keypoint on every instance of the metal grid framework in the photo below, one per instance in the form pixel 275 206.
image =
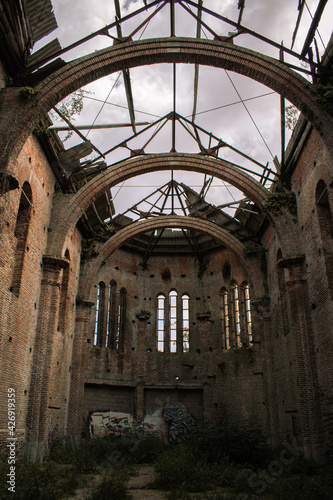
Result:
pixel 206 143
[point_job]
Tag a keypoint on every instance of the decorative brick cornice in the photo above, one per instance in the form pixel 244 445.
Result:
pixel 295 260
pixel 55 262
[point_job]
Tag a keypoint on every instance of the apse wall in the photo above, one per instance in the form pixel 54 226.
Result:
pixel 215 381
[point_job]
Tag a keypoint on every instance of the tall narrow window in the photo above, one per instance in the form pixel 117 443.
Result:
pixel 112 316
pixel 64 297
pixel 246 313
pixel 99 318
pixel 225 318
pixel 160 322
pixel 186 323
pixel 236 313
pixel 119 340
pixel 21 233
pixel 173 320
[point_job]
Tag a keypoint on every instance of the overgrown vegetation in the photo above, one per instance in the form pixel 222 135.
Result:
pixel 69 107
pixel 217 462
pixel 280 199
pixel 324 94
pixel 28 93
pixel 292 115
pixel 88 246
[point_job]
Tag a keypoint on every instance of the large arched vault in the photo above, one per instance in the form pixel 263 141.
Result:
pixel 23 116
pixel 89 274
pixel 70 212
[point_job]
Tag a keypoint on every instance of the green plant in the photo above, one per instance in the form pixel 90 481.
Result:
pixel 279 199
pixel 28 92
pixel 148 450
pixel 69 107
pixel 112 487
pixel 8 80
pixel 292 114
pixel 40 481
pixel 41 129
pixel 88 250
pixel 324 94
pixel 180 468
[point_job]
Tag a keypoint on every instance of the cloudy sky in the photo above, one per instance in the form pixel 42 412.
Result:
pixel 254 129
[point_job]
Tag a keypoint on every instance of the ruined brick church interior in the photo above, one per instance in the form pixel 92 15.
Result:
pixel 165 259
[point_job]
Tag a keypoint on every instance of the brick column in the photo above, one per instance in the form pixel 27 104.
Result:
pixel 141 366
pixel 204 329
pixel 82 331
pixel 39 407
pixel 301 325
pixel 262 330
pixel 141 351
pixel 138 404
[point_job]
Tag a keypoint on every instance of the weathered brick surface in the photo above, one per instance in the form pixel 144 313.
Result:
pixel 206 365
pixel 283 382
pixel 19 312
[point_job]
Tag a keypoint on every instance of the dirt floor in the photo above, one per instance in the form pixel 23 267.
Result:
pixel 138 485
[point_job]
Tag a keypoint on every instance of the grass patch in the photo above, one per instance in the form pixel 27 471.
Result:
pixel 216 463
pixel 40 481
pixel 112 487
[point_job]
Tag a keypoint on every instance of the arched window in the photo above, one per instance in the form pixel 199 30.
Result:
pixel 160 322
pixel 225 318
pixel 186 322
pixel 173 320
pixel 235 314
pixel 64 297
pixel 246 314
pixel 119 340
pixel 112 316
pixel 99 318
pixel 21 233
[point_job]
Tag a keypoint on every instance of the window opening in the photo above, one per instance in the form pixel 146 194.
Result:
pixel 248 319
pixel 21 233
pixel 173 320
pixel 63 296
pixel 112 319
pixel 99 313
pixel 225 318
pixel 160 322
pixel 236 315
pixel 121 320
pixel 186 323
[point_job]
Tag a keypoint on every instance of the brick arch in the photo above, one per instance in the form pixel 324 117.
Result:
pixel 89 272
pixel 72 210
pixel 82 71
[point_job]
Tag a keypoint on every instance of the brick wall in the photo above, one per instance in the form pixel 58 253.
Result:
pixel 235 392
pixel 19 311
pixel 107 398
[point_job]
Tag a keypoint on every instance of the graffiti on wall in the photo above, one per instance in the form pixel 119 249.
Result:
pixel 173 422
pixel 180 421
pixel 103 423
